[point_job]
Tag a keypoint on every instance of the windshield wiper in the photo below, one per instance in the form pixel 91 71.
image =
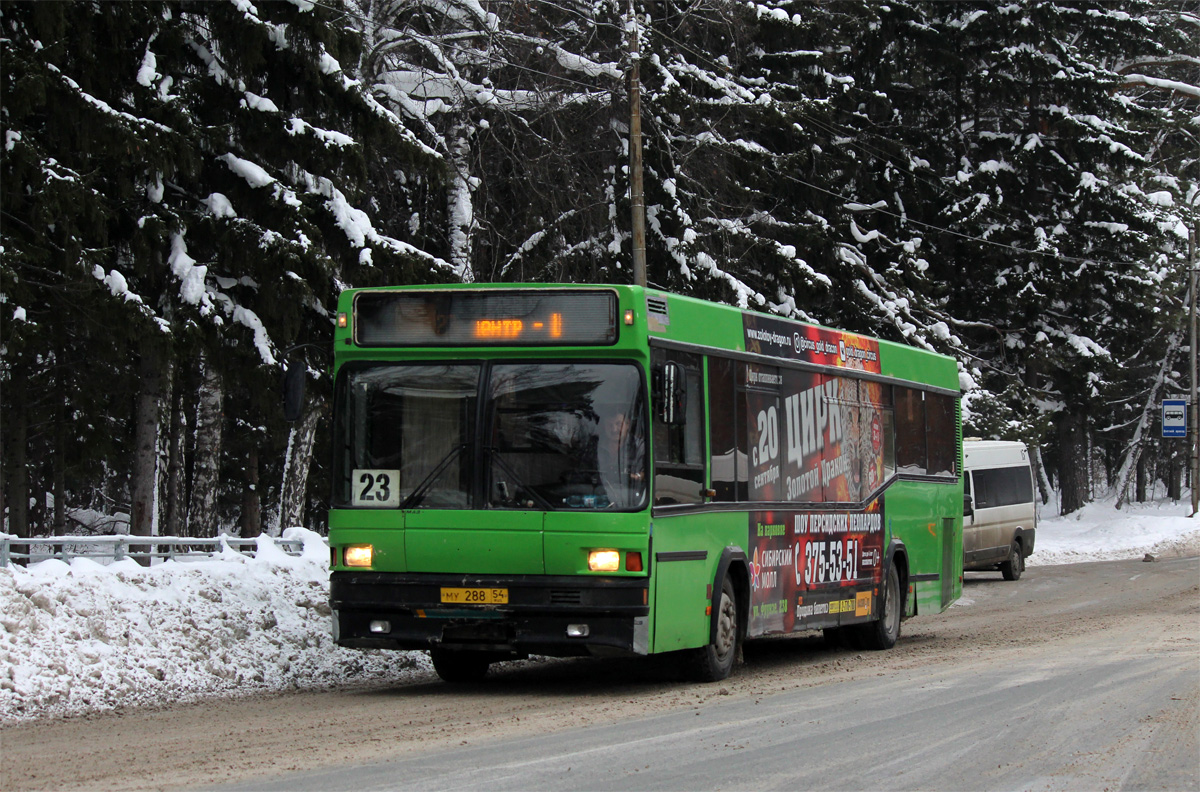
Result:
pixel 494 453
pixel 422 489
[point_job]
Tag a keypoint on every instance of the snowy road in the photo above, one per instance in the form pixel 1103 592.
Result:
pixel 1079 676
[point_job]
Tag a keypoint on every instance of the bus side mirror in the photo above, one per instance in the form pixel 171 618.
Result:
pixel 293 391
pixel 968 505
pixel 672 393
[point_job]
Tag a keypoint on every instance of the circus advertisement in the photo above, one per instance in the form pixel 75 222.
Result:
pixel 809 343
pixel 814 569
pixel 833 438
pixel 763 386
pixel 813 438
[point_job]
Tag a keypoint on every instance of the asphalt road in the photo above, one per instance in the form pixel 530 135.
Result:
pixel 1079 677
pixel 1114 707
pixel 1083 719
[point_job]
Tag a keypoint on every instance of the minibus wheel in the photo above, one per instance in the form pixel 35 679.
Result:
pixel 1015 565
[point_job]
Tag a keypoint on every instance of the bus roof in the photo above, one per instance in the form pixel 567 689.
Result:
pixel 690 321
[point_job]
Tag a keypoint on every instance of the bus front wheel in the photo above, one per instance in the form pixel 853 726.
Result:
pixel 714 662
pixel 459 667
pixel 884 632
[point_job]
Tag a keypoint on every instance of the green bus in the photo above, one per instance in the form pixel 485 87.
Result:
pixel 570 470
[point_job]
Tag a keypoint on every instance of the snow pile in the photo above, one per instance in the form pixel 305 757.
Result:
pixel 1099 532
pixel 85 637
pixel 81 637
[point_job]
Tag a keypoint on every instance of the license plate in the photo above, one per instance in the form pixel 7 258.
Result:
pixel 475 596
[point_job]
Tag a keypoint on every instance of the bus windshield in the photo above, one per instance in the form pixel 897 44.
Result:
pixel 555 436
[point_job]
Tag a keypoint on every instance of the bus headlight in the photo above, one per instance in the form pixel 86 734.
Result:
pixel 604 560
pixel 358 555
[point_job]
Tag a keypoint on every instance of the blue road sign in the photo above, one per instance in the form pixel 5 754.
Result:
pixel 1174 418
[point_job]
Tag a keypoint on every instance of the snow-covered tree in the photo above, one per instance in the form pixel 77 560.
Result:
pixel 730 156
pixel 185 182
pixel 1163 79
pixel 1062 243
pixel 203 189
pixel 517 98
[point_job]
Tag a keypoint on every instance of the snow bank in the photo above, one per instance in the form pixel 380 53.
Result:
pixel 81 637
pixel 1099 532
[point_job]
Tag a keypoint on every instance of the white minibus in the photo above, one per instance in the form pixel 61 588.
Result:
pixel 999 516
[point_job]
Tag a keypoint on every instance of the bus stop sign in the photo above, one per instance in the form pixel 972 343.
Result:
pixel 1174 418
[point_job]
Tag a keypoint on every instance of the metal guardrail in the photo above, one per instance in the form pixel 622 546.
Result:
pixel 14 549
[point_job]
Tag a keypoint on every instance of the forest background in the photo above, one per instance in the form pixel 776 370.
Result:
pixel 187 186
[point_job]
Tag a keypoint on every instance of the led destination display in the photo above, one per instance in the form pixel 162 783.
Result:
pixel 486 318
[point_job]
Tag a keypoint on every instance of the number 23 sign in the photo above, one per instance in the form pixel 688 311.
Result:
pixel 376 488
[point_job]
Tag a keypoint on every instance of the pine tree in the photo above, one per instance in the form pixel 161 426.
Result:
pixel 1013 184
pixel 69 312
pixel 203 189
pixel 1163 79
pixel 1064 249
pixel 730 161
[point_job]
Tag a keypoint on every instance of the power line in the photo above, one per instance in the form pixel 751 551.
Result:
pixel 826 125
pixel 853 135
pixel 960 235
pixel 461 50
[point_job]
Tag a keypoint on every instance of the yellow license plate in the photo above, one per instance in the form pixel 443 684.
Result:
pixel 475 596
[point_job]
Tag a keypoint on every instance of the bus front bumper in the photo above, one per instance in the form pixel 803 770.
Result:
pixel 558 616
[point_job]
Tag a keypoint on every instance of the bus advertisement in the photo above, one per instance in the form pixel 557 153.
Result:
pixel 612 470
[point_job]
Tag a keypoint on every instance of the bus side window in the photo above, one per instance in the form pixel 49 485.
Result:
pixel 722 429
pixel 889 433
pixel 910 431
pixel 679 448
pixel 940 434
pixel 877 448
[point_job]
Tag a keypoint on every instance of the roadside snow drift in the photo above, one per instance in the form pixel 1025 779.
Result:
pixel 1099 532
pixel 84 637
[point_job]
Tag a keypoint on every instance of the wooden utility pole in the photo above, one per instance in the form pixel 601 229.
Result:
pixel 1194 435
pixel 637 193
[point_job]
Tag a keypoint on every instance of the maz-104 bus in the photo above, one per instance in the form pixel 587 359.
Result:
pixel 611 470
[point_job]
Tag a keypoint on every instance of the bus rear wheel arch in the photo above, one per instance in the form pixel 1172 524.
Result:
pixel 883 632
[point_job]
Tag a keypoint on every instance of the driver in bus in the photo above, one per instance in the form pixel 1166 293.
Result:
pixel 621 458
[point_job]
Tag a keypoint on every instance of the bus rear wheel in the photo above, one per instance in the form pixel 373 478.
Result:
pixel 714 662
pixel 1015 565
pixel 885 631
pixel 459 667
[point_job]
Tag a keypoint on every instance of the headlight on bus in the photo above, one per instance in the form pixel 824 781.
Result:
pixel 358 555
pixel 604 560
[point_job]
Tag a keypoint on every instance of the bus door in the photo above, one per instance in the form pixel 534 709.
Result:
pixel 684 541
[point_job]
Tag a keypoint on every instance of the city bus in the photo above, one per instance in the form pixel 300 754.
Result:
pixel 569 470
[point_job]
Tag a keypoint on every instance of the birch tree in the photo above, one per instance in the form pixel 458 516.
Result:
pixel 515 97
